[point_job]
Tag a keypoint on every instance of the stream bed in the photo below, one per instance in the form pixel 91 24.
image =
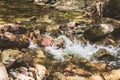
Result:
pixel 38 42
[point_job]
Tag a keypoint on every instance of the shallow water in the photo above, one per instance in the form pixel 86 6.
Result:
pixel 17 11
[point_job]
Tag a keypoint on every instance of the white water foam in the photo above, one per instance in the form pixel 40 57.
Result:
pixel 32 45
pixel 77 49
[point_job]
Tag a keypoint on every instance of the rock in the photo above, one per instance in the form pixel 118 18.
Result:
pixel 106 28
pixel 111 5
pixel 81 72
pixel 96 77
pixel 40 72
pixel 116 25
pixel 103 54
pixel 71 24
pixel 23 70
pixel 20 76
pixel 52 27
pixel 68 26
pixel 3 73
pixel 14 28
pixel 25 60
pixel 9 56
pixel 46 41
pixel 58 76
pixel 40 56
pixel 40 53
pixel 37 72
pixel 76 78
pixel 9 40
pixel 112 75
pixel 97 32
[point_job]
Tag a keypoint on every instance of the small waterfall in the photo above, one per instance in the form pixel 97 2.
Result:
pixel 77 49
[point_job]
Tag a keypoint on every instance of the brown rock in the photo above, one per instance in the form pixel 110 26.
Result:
pixel 112 75
pixel 98 32
pixel 15 28
pixel 9 40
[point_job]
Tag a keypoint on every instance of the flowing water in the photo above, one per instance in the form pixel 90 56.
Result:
pixel 78 49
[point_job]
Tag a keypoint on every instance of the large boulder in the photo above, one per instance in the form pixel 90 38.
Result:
pixel 97 32
pixel 111 9
pixel 9 40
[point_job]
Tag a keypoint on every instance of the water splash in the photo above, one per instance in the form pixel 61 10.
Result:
pixel 32 45
pixel 77 49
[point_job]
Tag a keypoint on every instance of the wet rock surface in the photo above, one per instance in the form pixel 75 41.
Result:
pixel 58 57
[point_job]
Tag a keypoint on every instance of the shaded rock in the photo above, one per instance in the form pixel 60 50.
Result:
pixel 111 9
pixel 9 40
pixel 3 73
pixel 14 28
pixel 103 54
pixel 9 56
pixel 25 60
pixel 97 32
